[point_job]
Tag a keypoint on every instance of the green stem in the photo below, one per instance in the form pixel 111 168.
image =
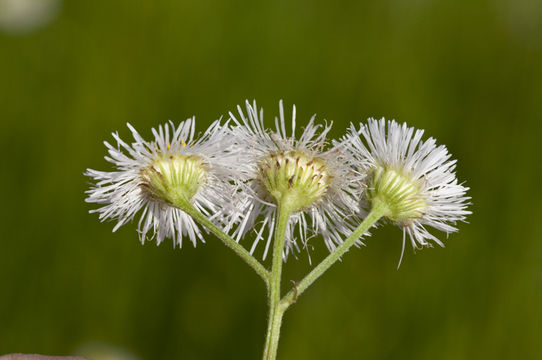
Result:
pixel 226 239
pixel 275 309
pixel 378 210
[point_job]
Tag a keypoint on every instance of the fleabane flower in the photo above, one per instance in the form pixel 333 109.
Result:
pixel 315 183
pixel 413 181
pixel 158 176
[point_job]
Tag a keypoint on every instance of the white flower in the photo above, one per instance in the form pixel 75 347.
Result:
pixel 153 176
pixel 319 184
pixel 414 179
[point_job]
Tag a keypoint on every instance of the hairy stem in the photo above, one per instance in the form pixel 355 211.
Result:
pixel 275 309
pixel 226 239
pixel 376 213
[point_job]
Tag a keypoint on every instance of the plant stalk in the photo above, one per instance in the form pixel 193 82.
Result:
pixel 187 207
pixel 378 210
pixel 275 309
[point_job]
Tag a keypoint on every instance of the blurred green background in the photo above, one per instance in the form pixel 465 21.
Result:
pixel 469 72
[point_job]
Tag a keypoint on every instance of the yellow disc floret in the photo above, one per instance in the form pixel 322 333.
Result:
pixel 295 178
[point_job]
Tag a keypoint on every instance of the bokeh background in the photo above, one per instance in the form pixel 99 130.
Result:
pixel 71 72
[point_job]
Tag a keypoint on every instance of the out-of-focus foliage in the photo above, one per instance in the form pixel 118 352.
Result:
pixel 469 72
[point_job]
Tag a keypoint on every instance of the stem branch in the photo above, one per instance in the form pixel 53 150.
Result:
pixel 275 309
pixel 376 213
pixel 226 239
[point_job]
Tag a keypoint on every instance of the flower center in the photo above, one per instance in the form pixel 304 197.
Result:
pixel 173 178
pixel 398 192
pixel 295 178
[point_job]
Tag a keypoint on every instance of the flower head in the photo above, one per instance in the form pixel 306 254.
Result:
pixel 316 184
pixel 155 176
pixel 413 180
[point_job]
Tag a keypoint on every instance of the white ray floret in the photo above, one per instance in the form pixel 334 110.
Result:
pixel 324 184
pixel 415 179
pixel 150 176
